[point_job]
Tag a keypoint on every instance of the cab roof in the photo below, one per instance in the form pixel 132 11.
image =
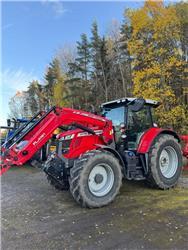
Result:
pixel 126 100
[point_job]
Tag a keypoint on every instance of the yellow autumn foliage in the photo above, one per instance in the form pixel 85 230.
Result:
pixel 157 63
pixel 59 93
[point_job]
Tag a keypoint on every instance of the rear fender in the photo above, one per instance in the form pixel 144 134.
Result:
pixel 150 135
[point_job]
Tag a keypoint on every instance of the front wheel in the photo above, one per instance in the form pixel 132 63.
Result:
pixel 95 179
pixel 165 162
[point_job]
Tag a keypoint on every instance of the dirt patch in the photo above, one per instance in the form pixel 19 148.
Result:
pixel 36 216
pixel 183 182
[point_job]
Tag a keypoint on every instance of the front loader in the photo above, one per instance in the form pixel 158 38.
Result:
pixel 95 152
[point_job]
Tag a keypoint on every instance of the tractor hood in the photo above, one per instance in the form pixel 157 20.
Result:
pixel 67 135
pixel 70 134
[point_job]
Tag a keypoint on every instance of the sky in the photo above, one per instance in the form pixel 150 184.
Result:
pixel 33 31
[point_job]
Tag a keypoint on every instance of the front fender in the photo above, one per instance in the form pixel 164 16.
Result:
pixel 149 136
pixel 114 152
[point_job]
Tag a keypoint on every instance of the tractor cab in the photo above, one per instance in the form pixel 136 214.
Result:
pixel 131 117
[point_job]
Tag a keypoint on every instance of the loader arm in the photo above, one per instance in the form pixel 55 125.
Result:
pixel 28 140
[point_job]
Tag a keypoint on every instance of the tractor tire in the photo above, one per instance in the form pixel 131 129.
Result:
pixel 165 162
pixel 95 179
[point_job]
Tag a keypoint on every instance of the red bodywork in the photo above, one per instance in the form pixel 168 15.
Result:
pixel 82 141
pixel 147 139
pixel 149 136
pixel 184 138
pixel 43 131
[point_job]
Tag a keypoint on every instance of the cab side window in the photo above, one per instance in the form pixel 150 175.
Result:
pixel 116 115
pixel 139 121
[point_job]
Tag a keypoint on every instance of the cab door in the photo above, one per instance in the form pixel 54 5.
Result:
pixel 137 123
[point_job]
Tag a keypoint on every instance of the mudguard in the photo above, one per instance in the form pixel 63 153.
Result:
pixel 113 151
pixel 149 136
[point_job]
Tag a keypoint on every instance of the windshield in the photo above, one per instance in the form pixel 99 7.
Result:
pixel 116 115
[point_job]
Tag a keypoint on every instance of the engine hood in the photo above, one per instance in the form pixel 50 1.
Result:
pixel 68 134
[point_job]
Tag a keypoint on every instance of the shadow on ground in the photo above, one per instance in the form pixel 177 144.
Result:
pixel 36 216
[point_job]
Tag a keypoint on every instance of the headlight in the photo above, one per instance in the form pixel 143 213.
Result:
pixel 67 137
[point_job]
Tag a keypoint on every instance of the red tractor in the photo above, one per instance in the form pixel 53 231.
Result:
pixel 94 152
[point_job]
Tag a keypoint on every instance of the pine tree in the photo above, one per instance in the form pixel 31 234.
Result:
pixel 33 98
pixel 124 58
pixel 52 76
pixel 79 71
pixel 100 67
pixel 95 48
pixel 83 58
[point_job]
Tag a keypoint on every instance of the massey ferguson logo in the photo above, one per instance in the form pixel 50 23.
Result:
pixel 39 139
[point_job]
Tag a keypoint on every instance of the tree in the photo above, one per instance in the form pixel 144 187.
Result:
pixel 100 66
pixel 157 65
pixel 120 59
pixel 36 99
pixel 78 75
pixel 66 55
pixel 59 93
pixel 18 105
pixel 95 61
pixel 83 58
pixel 32 97
pixel 182 15
pixel 105 69
pixel 52 76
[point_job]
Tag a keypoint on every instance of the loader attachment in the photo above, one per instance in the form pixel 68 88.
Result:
pixel 25 129
pixel 18 131
pixel 17 141
pixel 4 169
pixel 34 134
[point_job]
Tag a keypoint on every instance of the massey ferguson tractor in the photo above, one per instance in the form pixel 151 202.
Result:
pixel 94 153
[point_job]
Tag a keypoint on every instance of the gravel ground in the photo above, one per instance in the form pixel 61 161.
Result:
pixel 36 216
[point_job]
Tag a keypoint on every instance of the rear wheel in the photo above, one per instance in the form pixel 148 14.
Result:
pixel 165 162
pixel 95 179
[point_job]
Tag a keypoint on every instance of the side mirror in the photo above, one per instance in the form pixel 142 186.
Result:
pixel 8 122
pixel 137 104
